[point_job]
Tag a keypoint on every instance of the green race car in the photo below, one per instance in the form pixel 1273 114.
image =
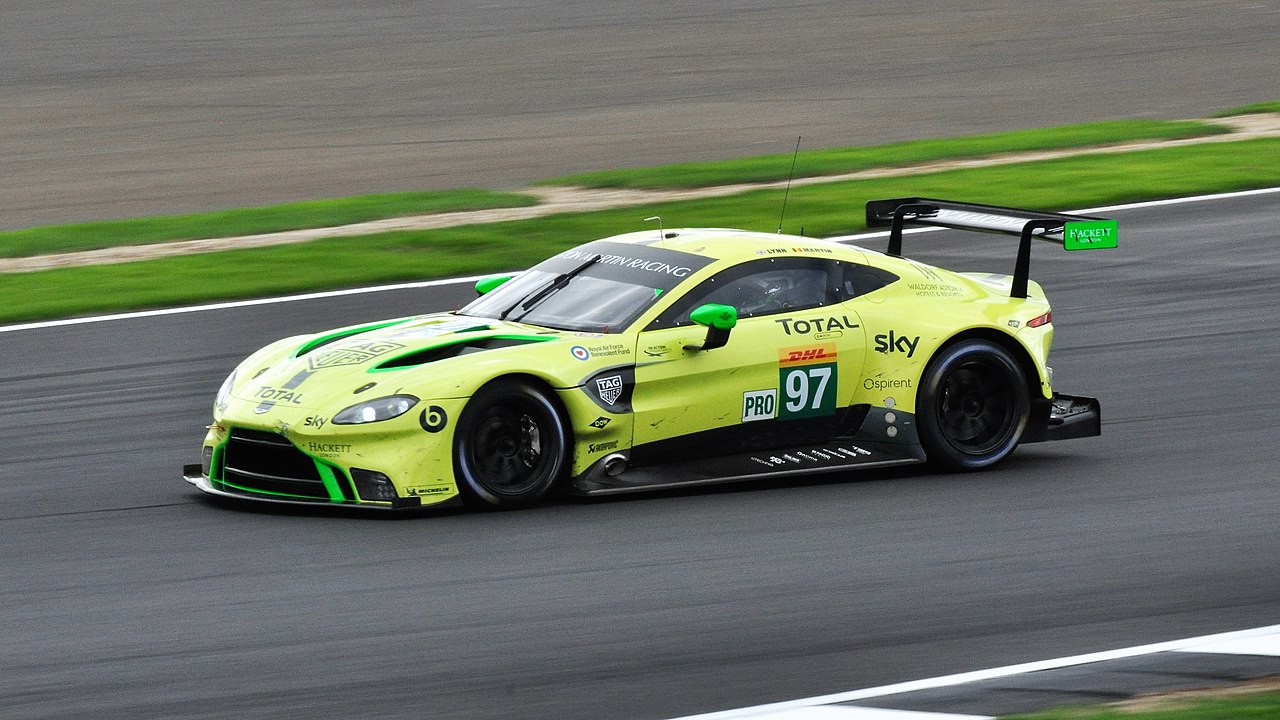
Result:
pixel 663 358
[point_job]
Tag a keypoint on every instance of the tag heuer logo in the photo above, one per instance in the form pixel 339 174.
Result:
pixel 610 388
pixel 352 354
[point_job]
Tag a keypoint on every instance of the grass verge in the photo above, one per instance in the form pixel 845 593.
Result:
pixel 1270 106
pixel 1252 706
pixel 822 209
pixel 344 211
pixel 249 221
pixel 816 163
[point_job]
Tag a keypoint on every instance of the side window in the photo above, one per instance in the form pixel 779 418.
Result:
pixel 776 285
pixel 858 280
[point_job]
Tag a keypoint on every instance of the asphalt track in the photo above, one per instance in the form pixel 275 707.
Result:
pixel 151 106
pixel 124 593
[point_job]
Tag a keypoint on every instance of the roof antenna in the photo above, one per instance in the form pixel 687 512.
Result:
pixel 788 190
pixel 660 231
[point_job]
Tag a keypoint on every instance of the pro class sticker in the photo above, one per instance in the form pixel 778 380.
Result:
pixel 759 405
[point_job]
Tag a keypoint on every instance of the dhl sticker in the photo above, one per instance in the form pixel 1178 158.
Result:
pixel 808 355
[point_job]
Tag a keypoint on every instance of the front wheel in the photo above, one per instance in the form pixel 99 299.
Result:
pixel 973 406
pixel 510 446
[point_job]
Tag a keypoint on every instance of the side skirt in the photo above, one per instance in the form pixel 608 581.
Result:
pixel 871 447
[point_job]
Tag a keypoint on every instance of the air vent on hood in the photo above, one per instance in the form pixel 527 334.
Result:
pixel 342 335
pixel 466 347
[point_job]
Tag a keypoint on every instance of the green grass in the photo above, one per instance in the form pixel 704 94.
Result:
pixel 1253 706
pixel 814 163
pixel 824 209
pixel 249 221
pixel 344 211
pixel 1272 106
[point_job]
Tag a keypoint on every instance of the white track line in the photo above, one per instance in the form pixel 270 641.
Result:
pixel 846 712
pixel 452 281
pixel 1241 641
pixel 237 304
pixel 1253 645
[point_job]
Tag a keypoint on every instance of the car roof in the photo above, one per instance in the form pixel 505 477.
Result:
pixel 731 244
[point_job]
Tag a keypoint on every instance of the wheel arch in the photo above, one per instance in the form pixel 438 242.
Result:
pixel 1030 371
pixel 547 389
pixel 958 452
pixel 475 488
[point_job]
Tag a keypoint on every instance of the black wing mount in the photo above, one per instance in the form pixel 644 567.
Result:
pixel 1027 224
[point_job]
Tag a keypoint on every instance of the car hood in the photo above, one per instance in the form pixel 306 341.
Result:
pixel 313 372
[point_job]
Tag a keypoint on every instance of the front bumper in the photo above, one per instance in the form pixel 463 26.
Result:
pixel 1063 418
pixel 296 456
pixel 194 474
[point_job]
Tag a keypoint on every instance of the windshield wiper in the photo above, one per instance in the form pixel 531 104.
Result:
pixel 559 282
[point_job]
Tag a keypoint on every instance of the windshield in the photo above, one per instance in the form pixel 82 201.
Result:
pixel 599 287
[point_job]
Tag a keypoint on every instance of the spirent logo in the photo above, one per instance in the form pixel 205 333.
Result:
pixel 610 388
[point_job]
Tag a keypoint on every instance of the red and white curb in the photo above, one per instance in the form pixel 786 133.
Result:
pixel 1256 641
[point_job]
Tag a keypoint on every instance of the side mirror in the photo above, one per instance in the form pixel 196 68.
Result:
pixel 718 320
pixel 488 284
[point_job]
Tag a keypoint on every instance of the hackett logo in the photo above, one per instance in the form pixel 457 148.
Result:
pixel 610 388
pixel 1090 235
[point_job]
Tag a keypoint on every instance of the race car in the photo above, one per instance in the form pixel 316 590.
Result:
pixel 663 358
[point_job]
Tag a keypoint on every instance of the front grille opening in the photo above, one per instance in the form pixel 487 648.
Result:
pixel 265 462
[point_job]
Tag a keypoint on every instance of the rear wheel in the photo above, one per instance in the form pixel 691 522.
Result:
pixel 973 406
pixel 510 445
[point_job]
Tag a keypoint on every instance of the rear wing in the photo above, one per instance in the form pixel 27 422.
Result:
pixel 1074 232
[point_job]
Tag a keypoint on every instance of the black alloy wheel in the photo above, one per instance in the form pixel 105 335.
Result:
pixel 973 406
pixel 510 445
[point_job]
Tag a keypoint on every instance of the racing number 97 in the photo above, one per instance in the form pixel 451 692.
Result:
pixel 809 391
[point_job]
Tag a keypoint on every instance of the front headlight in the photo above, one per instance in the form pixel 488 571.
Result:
pixel 383 408
pixel 225 391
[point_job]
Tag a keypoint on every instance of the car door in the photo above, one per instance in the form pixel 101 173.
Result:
pixel 785 377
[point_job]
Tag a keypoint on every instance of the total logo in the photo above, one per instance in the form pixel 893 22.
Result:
pixel 271 394
pixel 892 343
pixel 791 326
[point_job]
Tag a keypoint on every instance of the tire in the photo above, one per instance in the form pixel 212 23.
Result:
pixel 509 447
pixel 973 406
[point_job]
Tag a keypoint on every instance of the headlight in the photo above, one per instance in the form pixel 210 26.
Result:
pixel 383 408
pixel 225 391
